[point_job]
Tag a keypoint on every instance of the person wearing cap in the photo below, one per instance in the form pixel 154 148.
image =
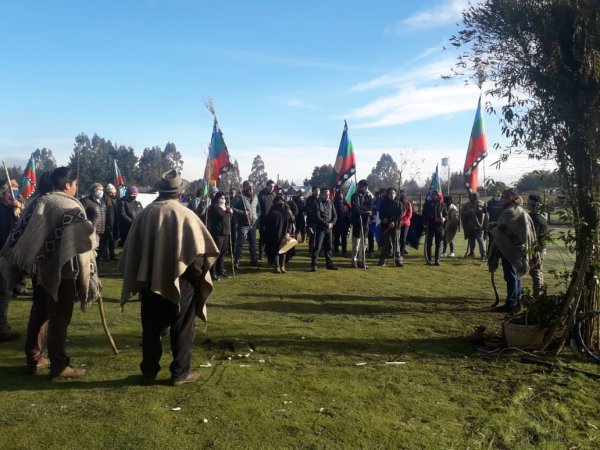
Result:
pixel 127 208
pixel 246 209
pixel 265 200
pixel 540 224
pixel 361 212
pixel 10 274
pixel 512 244
pixel 95 210
pixel 111 230
pixel 167 258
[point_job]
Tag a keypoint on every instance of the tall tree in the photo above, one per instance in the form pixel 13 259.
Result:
pixel 172 158
pixel 385 174
pixel 542 59
pixel 258 176
pixel 128 164
pixel 538 180
pixel 14 172
pixel 151 166
pixel 320 176
pixel 409 165
pixel 44 160
pixel 231 179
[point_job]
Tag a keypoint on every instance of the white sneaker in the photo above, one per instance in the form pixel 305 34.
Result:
pixel 452 255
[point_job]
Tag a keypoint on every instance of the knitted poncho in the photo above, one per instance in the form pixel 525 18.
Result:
pixel 51 231
pixel 165 239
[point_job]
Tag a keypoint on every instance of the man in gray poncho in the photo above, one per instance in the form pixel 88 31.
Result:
pixel 513 238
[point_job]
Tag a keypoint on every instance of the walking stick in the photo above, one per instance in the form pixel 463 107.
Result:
pixel 495 289
pixel 105 326
pixel 231 254
pixel 362 241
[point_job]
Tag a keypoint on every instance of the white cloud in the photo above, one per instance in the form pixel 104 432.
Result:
pixel 430 72
pixel 410 103
pixel 443 14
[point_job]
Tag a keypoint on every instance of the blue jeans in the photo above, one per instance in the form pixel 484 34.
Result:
pixel 513 282
pixel 243 232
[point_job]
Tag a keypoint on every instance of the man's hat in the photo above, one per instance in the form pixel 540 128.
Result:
pixel 171 183
pixel 534 199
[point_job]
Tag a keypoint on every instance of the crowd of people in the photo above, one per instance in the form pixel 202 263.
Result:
pixel 174 251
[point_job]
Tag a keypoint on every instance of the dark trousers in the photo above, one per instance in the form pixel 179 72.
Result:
pixel 55 316
pixel 390 245
pixel 106 249
pixel 322 241
pixel 436 231
pixel 218 268
pixel 340 237
pixel 158 313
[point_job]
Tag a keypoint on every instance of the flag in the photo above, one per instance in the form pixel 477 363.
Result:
pixel 218 157
pixel 29 180
pixel 349 191
pixel 476 152
pixel 119 180
pixel 345 165
pixel 435 185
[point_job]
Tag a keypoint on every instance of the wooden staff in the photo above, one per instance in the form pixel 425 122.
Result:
pixel 105 326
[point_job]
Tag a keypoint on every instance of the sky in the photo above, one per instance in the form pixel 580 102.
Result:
pixel 283 76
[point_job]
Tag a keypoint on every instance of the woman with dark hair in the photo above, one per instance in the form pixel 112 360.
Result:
pixel 279 224
pixel 53 243
pixel 219 225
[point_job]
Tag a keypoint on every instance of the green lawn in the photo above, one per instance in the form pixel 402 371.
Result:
pixel 287 358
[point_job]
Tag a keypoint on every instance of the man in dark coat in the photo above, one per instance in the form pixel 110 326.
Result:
pixel 361 212
pixel 95 210
pixel 300 218
pixel 265 200
pixel 111 230
pixel 325 217
pixel 390 215
pixel 435 214
pixel 278 225
pixel 342 225
pixel 128 208
pixel 311 203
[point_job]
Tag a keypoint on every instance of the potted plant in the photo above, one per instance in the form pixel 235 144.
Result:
pixel 527 328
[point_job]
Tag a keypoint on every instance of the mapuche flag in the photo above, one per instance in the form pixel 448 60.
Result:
pixel 218 161
pixel 119 180
pixel 29 180
pixel 345 165
pixel 476 152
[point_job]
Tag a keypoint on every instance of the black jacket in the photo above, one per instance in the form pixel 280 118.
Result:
pixel 219 221
pixel 7 221
pixel 390 212
pixel 324 214
pixel 362 205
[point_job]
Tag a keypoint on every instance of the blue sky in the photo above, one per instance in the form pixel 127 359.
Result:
pixel 283 76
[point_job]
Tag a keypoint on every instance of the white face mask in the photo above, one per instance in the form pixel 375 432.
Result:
pixel 99 194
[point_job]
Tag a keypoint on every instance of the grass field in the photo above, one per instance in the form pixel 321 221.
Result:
pixel 298 361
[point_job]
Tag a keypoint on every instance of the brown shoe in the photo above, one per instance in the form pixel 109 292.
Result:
pixel 70 372
pixel 282 269
pixel 277 269
pixel 42 364
pixel 192 377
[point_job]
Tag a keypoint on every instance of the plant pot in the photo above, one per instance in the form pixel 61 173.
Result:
pixel 523 336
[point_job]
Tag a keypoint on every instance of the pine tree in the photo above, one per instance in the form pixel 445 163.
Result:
pixel 258 176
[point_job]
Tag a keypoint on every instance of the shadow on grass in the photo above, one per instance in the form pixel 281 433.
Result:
pixel 353 304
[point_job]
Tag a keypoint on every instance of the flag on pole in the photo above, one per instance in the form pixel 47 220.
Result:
pixel 29 180
pixel 348 190
pixel 435 185
pixel 218 161
pixel 345 165
pixel 119 180
pixel 476 152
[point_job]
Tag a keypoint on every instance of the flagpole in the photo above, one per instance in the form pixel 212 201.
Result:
pixel 362 231
pixel 10 191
